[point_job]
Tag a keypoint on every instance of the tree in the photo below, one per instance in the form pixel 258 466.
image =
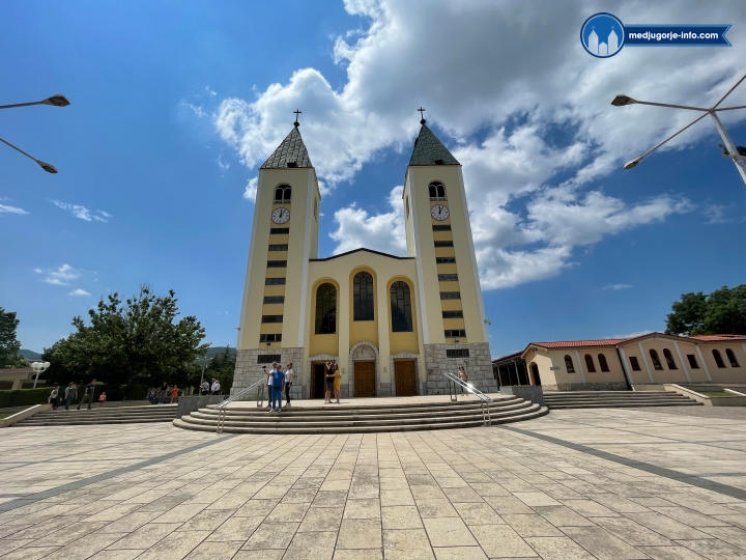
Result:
pixel 9 345
pixel 721 312
pixel 138 342
pixel 222 366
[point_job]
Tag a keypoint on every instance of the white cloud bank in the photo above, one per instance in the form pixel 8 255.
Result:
pixel 82 213
pixel 522 106
pixel 62 276
pixel 7 209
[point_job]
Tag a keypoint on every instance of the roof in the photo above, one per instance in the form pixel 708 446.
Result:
pixel 509 357
pixel 290 153
pixel 719 337
pixel 579 343
pixel 428 150
pixel 367 251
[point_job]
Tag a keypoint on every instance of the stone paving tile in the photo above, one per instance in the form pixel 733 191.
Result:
pixel 500 541
pixel 559 548
pixel 459 553
pixel 446 531
pixel 407 544
pixel 359 533
pixel 531 525
pixel 670 553
pixel 602 544
pixel 478 514
pixel 714 549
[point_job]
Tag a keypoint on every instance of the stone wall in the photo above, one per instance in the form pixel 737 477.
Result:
pixel 478 367
pixel 249 370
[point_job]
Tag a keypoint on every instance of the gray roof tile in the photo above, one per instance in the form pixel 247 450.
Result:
pixel 428 150
pixel 290 153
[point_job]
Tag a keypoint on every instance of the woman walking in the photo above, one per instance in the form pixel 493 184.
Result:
pixel 337 382
pixel 288 382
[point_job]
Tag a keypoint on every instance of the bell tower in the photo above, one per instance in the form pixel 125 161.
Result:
pixel 438 234
pixel 284 237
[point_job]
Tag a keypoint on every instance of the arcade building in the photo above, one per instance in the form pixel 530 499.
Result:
pixel 394 324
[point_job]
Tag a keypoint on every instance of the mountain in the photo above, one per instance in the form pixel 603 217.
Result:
pixel 213 351
pixel 30 355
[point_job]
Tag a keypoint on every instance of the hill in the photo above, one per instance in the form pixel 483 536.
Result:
pixel 30 355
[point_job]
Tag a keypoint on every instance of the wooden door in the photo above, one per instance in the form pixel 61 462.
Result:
pixel 365 379
pixel 405 378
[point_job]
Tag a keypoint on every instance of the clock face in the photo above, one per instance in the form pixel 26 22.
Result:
pixel 440 212
pixel 280 215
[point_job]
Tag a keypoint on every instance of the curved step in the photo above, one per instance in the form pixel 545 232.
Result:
pixel 364 418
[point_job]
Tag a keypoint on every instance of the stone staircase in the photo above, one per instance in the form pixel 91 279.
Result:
pixel 102 415
pixel 614 399
pixel 435 415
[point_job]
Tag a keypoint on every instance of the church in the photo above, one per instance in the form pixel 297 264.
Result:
pixel 394 324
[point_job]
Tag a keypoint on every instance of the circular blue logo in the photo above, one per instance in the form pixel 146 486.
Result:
pixel 602 35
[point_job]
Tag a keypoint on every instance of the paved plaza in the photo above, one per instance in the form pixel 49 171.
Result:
pixel 611 484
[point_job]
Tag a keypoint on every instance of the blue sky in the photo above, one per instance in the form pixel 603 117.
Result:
pixel 175 105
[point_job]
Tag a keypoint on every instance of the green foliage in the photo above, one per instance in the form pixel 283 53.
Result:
pixel 138 342
pixel 222 366
pixel 721 312
pixel 24 397
pixel 9 345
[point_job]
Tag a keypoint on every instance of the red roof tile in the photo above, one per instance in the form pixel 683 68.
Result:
pixel 579 343
pixel 718 337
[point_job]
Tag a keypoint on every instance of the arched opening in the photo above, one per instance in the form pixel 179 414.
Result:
pixel 536 378
pixel 589 363
pixel 731 357
pixel 401 307
pixel 603 363
pixel 669 359
pixel 568 364
pixel 326 309
pixel 656 360
pixel 718 358
pixel 282 194
pixel 362 294
pixel 437 191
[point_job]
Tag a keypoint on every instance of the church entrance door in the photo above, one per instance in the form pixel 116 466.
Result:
pixel 405 378
pixel 317 380
pixel 365 379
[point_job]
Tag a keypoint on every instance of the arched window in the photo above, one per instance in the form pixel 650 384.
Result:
pixel 669 359
pixel 437 191
pixel 282 194
pixel 603 363
pixel 401 308
pixel 718 358
pixel 589 363
pixel 568 364
pixel 656 359
pixel 731 357
pixel 326 309
pixel 362 295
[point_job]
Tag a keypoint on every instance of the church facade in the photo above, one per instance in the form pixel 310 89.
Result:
pixel 394 324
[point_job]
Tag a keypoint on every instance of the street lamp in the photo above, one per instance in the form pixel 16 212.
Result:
pixel 731 150
pixel 39 368
pixel 56 100
pixel 205 361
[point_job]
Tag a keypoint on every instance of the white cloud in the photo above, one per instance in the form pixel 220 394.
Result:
pixel 383 232
pixel 82 213
pixel 7 209
pixel 63 276
pixel 617 287
pixel 249 192
pixel 523 107
pixel 79 292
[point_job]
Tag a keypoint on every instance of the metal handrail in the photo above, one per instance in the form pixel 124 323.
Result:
pixel 222 405
pixel 456 381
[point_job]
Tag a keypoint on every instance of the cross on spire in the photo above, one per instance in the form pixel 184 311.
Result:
pixel 422 115
pixel 297 122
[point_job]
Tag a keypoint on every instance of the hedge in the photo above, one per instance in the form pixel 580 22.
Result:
pixel 24 397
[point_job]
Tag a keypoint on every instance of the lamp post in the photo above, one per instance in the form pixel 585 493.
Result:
pixel 39 368
pixel 55 101
pixel 731 150
pixel 205 361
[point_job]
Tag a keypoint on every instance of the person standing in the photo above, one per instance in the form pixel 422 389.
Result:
pixel 288 382
pixel 204 388
pixel 328 382
pixel 337 382
pixel 277 379
pixel 54 397
pixel 88 396
pixel 71 394
pixel 215 387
